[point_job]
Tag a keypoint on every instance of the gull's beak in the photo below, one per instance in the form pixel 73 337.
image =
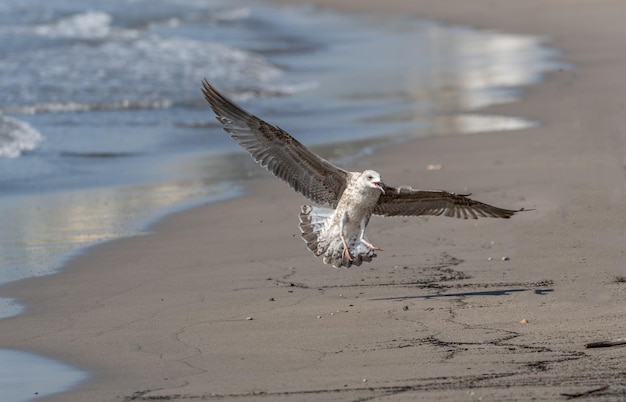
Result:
pixel 380 185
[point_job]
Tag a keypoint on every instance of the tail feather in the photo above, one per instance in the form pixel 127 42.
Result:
pixel 312 226
pixel 360 253
pixel 312 220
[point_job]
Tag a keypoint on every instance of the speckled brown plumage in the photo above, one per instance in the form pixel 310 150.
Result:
pixel 337 234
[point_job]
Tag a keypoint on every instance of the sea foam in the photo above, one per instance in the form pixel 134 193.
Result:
pixel 17 136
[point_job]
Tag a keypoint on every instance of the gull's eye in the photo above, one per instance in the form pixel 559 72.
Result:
pixel 370 177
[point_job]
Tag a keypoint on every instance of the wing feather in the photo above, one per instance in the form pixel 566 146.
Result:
pixel 406 201
pixel 277 151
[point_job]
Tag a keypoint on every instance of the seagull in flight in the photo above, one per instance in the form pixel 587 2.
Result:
pixel 335 229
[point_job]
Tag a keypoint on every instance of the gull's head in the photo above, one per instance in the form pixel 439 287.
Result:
pixel 371 179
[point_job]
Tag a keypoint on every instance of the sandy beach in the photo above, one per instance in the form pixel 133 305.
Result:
pixel 225 301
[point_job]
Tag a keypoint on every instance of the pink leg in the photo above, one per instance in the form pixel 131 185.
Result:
pixel 370 245
pixel 346 251
pixel 363 225
pixel 362 237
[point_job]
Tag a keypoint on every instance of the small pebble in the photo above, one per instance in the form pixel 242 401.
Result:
pixel 523 321
pixel 490 258
pixel 249 318
pixel 434 166
pixel 319 316
pixel 365 380
pixel 405 308
pixel 272 299
pixel 505 258
pixel 332 313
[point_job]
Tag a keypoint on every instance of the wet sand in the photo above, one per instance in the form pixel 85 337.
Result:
pixel 225 302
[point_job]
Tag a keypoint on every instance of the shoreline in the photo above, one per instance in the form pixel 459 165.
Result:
pixel 149 308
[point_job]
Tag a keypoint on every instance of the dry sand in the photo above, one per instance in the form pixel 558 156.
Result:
pixel 164 316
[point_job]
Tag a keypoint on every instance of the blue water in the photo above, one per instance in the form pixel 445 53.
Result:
pixel 103 128
pixel 24 376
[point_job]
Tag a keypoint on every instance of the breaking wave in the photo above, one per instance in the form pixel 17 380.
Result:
pixel 150 72
pixel 72 107
pixel 87 25
pixel 16 137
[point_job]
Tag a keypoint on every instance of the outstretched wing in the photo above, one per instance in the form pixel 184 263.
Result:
pixel 278 152
pixel 405 201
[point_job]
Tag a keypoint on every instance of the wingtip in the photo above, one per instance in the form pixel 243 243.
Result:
pixel 512 212
pixel 207 88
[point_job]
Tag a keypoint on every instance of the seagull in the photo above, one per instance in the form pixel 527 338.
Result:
pixel 336 228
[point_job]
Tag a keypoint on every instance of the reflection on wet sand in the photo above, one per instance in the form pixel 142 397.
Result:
pixel 38 231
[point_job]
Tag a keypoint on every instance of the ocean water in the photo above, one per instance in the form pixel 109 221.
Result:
pixel 103 128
